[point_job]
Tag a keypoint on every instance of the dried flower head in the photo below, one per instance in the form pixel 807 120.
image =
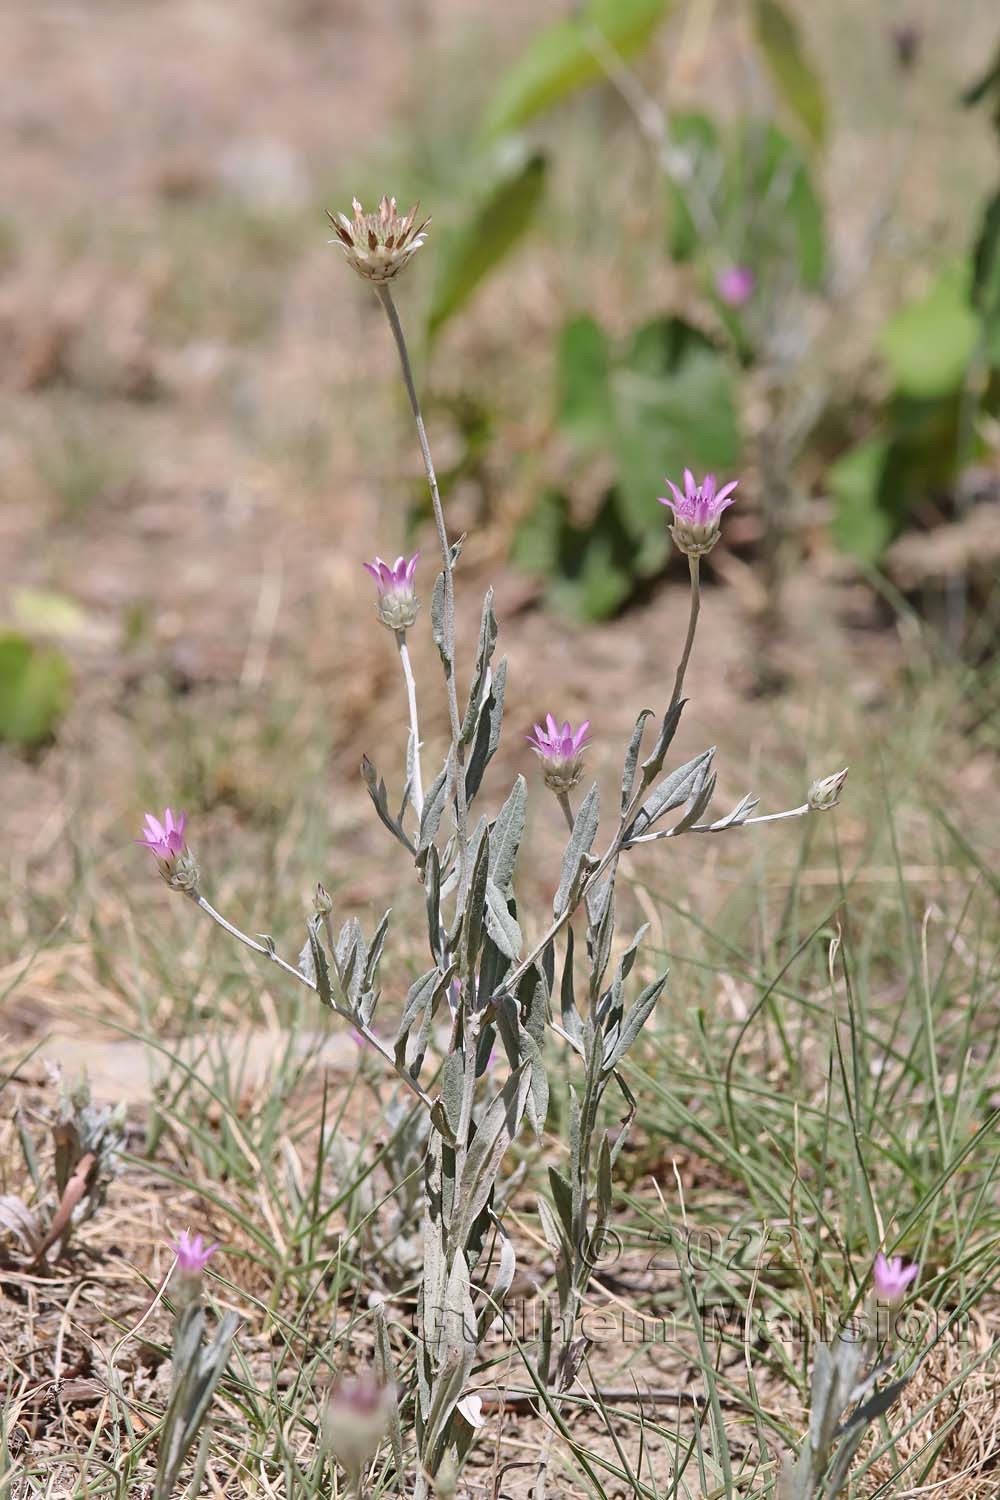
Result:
pixel 355 1420
pixel 378 245
pixel 397 604
pixel 892 1278
pixel 561 752
pixel 735 285
pixel 825 793
pixel 166 841
pixel 697 512
pixel 192 1253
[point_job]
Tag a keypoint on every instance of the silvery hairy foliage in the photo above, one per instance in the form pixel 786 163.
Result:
pixel 498 977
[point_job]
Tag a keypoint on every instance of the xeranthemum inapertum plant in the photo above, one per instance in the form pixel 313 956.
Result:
pixel 497 976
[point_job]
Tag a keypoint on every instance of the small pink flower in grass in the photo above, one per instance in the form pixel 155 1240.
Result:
pixel 192 1253
pixel 561 752
pixel 893 1277
pixel 397 604
pixel 356 1418
pixel 698 512
pixel 735 285
pixel 166 841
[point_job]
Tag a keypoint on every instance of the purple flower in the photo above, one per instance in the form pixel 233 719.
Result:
pixel 356 1417
pixel 397 603
pixel 192 1253
pixel 892 1277
pixel 735 285
pixel 697 512
pixel 560 751
pixel 166 839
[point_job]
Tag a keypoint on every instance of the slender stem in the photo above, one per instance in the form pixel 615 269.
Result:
pixel 694 568
pixel 564 803
pixel 411 700
pixel 355 1020
pixel 669 833
pixel 457 748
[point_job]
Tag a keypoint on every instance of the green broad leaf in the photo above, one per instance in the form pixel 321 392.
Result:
pixel 568 55
pixel 929 344
pixel 793 75
pixel 674 407
pixel 35 684
pixel 700 199
pixel 860 524
pixel 493 229
pixel 770 178
pixel 583 364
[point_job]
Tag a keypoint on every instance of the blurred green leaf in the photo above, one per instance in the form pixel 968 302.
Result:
pixel 674 407
pixel 562 58
pixel 695 138
pixel 792 74
pixel 493 229
pixel 47 612
pixel 589 568
pixel 773 189
pixel 34 690
pixel 583 363
pixel 860 525
pixel 928 345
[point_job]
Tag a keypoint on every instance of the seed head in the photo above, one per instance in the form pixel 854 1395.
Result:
pixel 561 752
pixel 378 245
pixel 698 512
pixel 397 604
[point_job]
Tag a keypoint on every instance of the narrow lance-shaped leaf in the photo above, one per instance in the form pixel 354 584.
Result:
pixel 487 738
pixel 574 860
pixel 484 655
pixel 632 757
pixel 506 834
pixel 673 791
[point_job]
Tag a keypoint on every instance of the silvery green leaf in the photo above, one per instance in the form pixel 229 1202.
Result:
pixel 320 967
pixel 432 897
pixel 737 817
pixel 505 1270
pixel 473 850
pixel 380 800
pixel 484 654
pixel 474 915
pixel 673 791
pixel 375 951
pixel 600 933
pixel 615 995
pixel 633 1023
pixel 418 998
pixel 537 1106
pixel 574 867
pixel 551 1230
pixel 604 1181
pixel 493 966
pixel 632 757
pixel 438 622
pixel 567 996
pixel 697 806
pixel 506 835
pixel 499 1124
pixel 434 805
pixel 501 926
pixel 544 1361
pixel 386 1374
pixel 453 1088
pixel 487 737
pixel 562 1197
pixel 533 1002
pixel 510 1029
pixel 668 728
pixel 876 1406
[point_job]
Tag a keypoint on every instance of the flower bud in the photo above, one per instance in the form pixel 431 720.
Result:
pixel 697 513
pixel 356 1419
pixel 561 753
pixel 165 840
pixel 397 605
pixel 825 793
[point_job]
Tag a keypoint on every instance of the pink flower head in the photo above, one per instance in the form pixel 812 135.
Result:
pixel 397 603
pixel 560 751
pixel 892 1277
pixel 166 839
pixel 697 512
pixel 192 1253
pixel 735 285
